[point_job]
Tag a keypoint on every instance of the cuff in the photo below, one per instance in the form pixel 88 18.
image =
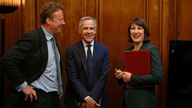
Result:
pixel 86 97
pixel 21 86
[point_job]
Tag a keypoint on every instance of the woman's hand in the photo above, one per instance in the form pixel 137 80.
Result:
pixel 118 73
pixel 126 76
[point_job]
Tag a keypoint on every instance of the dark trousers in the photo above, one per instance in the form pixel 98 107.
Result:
pixel 44 100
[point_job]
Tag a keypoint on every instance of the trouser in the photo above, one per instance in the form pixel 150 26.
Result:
pixel 45 100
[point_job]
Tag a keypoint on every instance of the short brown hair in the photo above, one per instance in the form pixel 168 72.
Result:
pixel 47 10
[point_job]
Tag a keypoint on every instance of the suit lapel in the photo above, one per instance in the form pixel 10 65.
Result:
pixel 43 46
pixel 95 53
pixel 81 52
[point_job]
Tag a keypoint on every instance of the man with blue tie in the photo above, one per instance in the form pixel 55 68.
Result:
pixel 87 67
pixel 32 65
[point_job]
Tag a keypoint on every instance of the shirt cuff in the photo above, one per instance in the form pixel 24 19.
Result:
pixel 21 86
pixel 86 97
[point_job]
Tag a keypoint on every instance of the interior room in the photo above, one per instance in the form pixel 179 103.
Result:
pixel 169 22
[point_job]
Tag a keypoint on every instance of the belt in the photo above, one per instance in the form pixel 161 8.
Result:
pixel 43 92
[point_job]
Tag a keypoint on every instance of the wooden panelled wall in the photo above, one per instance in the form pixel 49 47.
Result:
pixel 168 19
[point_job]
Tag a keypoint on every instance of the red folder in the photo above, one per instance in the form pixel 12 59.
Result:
pixel 137 62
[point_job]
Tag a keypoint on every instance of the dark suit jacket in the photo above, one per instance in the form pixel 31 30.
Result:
pixel 27 59
pixel 142 97
pixel 79 83
pixel 156 68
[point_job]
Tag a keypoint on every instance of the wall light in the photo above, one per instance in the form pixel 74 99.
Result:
pixel 9 6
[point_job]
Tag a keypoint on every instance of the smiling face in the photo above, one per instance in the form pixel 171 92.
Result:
pixel 87 30
pixel 137 33
pixel 56 22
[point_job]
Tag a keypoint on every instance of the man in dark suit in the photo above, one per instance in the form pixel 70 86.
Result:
pixel 32 64
pixel 86 76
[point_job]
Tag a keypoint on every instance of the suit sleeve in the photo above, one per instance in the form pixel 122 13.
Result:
pixel 156 71
pixel 13 59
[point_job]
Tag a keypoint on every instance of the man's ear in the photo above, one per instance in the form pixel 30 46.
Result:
pixel 48 20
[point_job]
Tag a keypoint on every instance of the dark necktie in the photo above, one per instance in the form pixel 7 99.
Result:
pixel 89 59
pixel 56 53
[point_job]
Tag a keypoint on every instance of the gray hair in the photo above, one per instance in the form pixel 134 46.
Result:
pixel 87 18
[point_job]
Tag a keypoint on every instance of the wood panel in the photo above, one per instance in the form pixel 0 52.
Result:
pixel 153 19
pixel 184 20
pixel 29 15
pixel 165 33
pixel 168 19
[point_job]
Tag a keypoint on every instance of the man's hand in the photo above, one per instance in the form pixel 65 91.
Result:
pixel 30 93
pixel 90 103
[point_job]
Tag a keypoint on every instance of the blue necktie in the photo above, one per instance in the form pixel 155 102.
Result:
pixel 57 57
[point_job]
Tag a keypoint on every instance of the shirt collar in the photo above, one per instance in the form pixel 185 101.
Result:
pixel 85 44
pixel 47 34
